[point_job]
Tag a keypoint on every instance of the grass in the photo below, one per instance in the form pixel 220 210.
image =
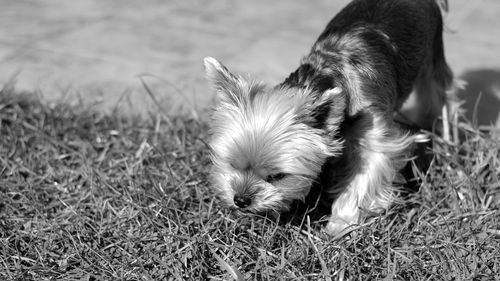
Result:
pixel 89 196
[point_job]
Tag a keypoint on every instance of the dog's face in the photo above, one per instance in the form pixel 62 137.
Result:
pixel 267 145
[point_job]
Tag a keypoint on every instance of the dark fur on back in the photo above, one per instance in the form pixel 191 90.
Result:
pixel 375 50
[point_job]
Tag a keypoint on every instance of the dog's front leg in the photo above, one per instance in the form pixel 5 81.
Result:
pixel 374 153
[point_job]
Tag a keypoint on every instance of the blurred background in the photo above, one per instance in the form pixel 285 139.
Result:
pixel 102 52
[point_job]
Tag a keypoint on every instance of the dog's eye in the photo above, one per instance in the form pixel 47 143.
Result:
pixel 275 177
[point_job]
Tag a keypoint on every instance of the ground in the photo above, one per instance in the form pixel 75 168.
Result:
pixel 89 196
pixel 89 192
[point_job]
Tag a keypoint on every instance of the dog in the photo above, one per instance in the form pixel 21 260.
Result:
pixel 331 123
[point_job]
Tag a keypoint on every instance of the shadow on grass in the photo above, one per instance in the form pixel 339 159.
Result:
pixel 481 96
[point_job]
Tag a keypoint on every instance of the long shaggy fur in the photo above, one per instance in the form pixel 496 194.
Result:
pixel 257 133
pixel 331 122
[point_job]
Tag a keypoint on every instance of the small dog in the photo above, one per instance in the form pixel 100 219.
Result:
pixel 332 121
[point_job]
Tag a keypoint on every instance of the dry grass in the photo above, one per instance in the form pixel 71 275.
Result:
pixel 85 196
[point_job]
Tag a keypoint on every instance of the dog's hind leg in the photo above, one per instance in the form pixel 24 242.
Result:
pixel 434 95
pixel 375 151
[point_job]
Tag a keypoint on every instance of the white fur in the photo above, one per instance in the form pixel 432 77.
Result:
pixel 253 137
pixel 371 189
pixel 263 137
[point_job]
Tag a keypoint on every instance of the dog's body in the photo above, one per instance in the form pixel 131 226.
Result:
pixel 332 120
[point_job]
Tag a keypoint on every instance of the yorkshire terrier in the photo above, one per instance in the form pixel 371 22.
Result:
pixel 331 123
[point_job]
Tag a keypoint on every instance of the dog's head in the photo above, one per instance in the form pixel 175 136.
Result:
pixel 269 144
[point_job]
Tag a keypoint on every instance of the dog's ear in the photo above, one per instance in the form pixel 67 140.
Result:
pixel 328 110
pixel 227 85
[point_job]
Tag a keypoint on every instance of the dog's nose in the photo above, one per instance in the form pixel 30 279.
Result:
pixel 242 201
